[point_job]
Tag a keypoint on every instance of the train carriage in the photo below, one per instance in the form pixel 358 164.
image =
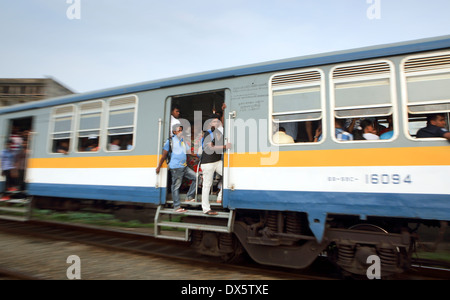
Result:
pixel 284 203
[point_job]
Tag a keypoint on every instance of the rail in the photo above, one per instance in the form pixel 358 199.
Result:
pixel 158 177
pixel 230 115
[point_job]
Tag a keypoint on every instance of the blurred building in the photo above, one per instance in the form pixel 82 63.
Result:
pixel 19 90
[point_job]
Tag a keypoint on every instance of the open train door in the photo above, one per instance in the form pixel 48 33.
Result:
pixel 192 111
pixel 20 135
pixel 163 134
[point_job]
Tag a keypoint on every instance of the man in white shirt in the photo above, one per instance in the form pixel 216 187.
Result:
pixel 281 137
pixel 174 115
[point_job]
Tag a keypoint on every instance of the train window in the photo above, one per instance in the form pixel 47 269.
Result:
pixel 297 99
pixel 89 124
pixel 121 123
pixel 62 127
pixel 362 96
pixel 427 90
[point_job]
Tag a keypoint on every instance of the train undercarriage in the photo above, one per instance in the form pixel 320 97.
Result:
pixel 284 238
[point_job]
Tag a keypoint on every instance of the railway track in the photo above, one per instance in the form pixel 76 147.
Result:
pixel 119 240
pixel 12 274
pixel 146 244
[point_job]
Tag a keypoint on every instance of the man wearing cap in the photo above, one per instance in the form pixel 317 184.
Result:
pixel 176 147
pixel 211 161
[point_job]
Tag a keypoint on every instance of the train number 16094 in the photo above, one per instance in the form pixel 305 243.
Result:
pixel 388 179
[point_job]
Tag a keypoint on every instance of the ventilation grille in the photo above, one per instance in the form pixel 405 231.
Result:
pixel 92 106
pixel 296 78
pixel 428 63
pixel 65 110
pixel 361 70
pixel 123 102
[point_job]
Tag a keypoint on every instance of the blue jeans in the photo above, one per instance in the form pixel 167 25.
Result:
pixel 177 179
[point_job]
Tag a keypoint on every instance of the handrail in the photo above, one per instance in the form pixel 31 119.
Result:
pixel 231 114
pixel 158 177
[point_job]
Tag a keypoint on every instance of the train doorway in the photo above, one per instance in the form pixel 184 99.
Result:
pixel 194 112
pixel 19 136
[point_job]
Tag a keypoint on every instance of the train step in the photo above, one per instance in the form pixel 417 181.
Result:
pixel 168 222
pixel 20 212
pixel 198 202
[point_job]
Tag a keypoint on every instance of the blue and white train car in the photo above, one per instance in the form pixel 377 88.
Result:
pixel 284 203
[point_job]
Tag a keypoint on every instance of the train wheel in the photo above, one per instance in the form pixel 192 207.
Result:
pixel 235 252
pixel 352 256
pixel 223 245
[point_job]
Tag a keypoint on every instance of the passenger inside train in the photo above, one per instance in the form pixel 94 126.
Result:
pixel 422 126
pixel 436 127
pixel 363 129
pixel 184 109
pixel 14 165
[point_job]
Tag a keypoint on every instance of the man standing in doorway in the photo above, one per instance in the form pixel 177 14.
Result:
pixel 174 116
pixel 211 161
pixel 176 147
pixel 8 156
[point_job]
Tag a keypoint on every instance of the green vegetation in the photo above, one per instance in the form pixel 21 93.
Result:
pixel 98 219
pixel 438 255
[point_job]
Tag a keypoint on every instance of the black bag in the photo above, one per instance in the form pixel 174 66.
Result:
pixel 169 154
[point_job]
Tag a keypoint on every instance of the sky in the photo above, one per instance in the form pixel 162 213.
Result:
pixel 90 45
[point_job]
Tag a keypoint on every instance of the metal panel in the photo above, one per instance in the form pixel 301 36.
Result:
pixel 375 93
pixel 297 100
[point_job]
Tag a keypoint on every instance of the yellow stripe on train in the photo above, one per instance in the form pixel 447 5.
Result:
pixel 135 161
pixel 409 156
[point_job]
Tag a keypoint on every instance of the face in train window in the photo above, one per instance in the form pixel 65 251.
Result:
pixel 121 123
pixel 297 101
pixel 423 126
pixel 427 92
pixel 364 128
pixel 362 95
pixel 62 126
pixel 89 125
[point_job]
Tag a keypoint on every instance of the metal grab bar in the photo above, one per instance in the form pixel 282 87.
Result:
pixel 230 115
pixel 158 177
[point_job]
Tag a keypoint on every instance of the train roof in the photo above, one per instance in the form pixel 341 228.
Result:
pixel 408 47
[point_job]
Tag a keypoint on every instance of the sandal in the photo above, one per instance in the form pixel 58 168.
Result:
pixel 211 213
pixel 190 200
pixel 180 210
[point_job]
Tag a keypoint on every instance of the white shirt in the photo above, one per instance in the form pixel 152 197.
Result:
pixel 370 136
pixel 282 138
pixel 173 121
pixel 113 147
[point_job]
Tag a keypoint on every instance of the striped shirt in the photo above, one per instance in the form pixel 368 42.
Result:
pixel 8 158
pixel 342 135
